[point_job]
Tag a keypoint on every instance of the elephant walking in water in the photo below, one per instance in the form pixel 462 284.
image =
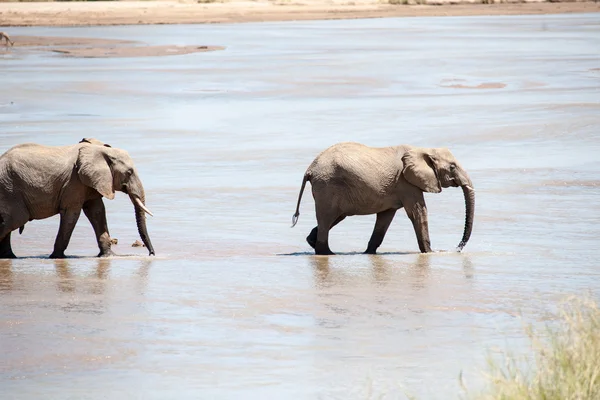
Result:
pixel 37 182
pixel 353 179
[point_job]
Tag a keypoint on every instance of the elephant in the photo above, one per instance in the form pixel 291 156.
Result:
pixel 84 140
pixel 350 178
pixel 38 182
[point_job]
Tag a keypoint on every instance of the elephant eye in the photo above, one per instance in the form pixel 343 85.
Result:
pixel 452 167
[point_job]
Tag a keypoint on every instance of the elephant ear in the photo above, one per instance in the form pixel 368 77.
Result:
pixel 93 170
pixel 419 170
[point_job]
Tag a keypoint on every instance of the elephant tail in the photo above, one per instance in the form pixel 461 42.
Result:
pixel 297 213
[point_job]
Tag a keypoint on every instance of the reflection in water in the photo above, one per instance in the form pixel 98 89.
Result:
pixel 143 275
pixel 467 266
pixel 66 282
pixel 6 275
pixel 420 270
pixel 320 270
pixel 380 270
pixel 102 269
pixel 340 270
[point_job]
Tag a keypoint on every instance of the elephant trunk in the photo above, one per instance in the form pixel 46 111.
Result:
pixel 469 193
pixel 140 219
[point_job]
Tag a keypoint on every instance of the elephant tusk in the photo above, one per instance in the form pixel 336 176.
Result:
pixel 142 206
pixel 468 187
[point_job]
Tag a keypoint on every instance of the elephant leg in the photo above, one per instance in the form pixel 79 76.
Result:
pixel 322 245
pixel 5 232
pixel 68 220
pixel 312 237
pixel 325 222
pixel 96 213
pixel 384 219
pixel 417 212
pixel 5 248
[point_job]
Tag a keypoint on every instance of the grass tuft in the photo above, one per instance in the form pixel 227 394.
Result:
pixel 565 364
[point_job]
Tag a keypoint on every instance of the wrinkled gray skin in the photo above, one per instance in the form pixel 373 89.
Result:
pixel 353 179
pixel 37 182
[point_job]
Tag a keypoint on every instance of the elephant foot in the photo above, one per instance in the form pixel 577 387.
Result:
pixel 370 251
pixel 425 246
pixel 5 247
pixel 10 255
pixel 324 253
pixel 425 250
pixel 58 255
pixel 106 253
pixel 323 250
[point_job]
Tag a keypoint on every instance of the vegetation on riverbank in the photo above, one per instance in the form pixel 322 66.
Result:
pixel 565 364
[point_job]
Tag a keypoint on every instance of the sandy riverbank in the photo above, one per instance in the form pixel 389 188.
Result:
pixel 98 47
pixel 182 12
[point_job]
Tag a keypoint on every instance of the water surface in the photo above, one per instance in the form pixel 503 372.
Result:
pixel 234 305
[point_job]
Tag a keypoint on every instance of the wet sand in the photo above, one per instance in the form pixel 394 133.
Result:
pixel 234 305
pixel 100 48
pixel 188 12
pixel 461 84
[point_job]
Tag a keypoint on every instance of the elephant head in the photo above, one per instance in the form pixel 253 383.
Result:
pixel 433 169
pixel 107 169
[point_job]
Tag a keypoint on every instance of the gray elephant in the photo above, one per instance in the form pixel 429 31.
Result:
pixel 353 179
pixel 37 182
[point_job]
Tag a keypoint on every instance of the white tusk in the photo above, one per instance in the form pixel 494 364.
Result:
pixel 142 206
pixel 468 187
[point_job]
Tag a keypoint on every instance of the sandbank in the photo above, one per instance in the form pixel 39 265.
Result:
pixel 207 11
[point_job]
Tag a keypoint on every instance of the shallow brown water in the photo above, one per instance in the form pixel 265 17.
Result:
pixel 234 305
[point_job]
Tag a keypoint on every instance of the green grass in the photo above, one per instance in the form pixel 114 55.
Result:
pixel 565 364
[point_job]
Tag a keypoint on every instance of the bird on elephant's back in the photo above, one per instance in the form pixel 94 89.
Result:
pixel 37 182
pixel 353 179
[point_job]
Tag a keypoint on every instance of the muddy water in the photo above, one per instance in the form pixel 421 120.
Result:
pixel 234 305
